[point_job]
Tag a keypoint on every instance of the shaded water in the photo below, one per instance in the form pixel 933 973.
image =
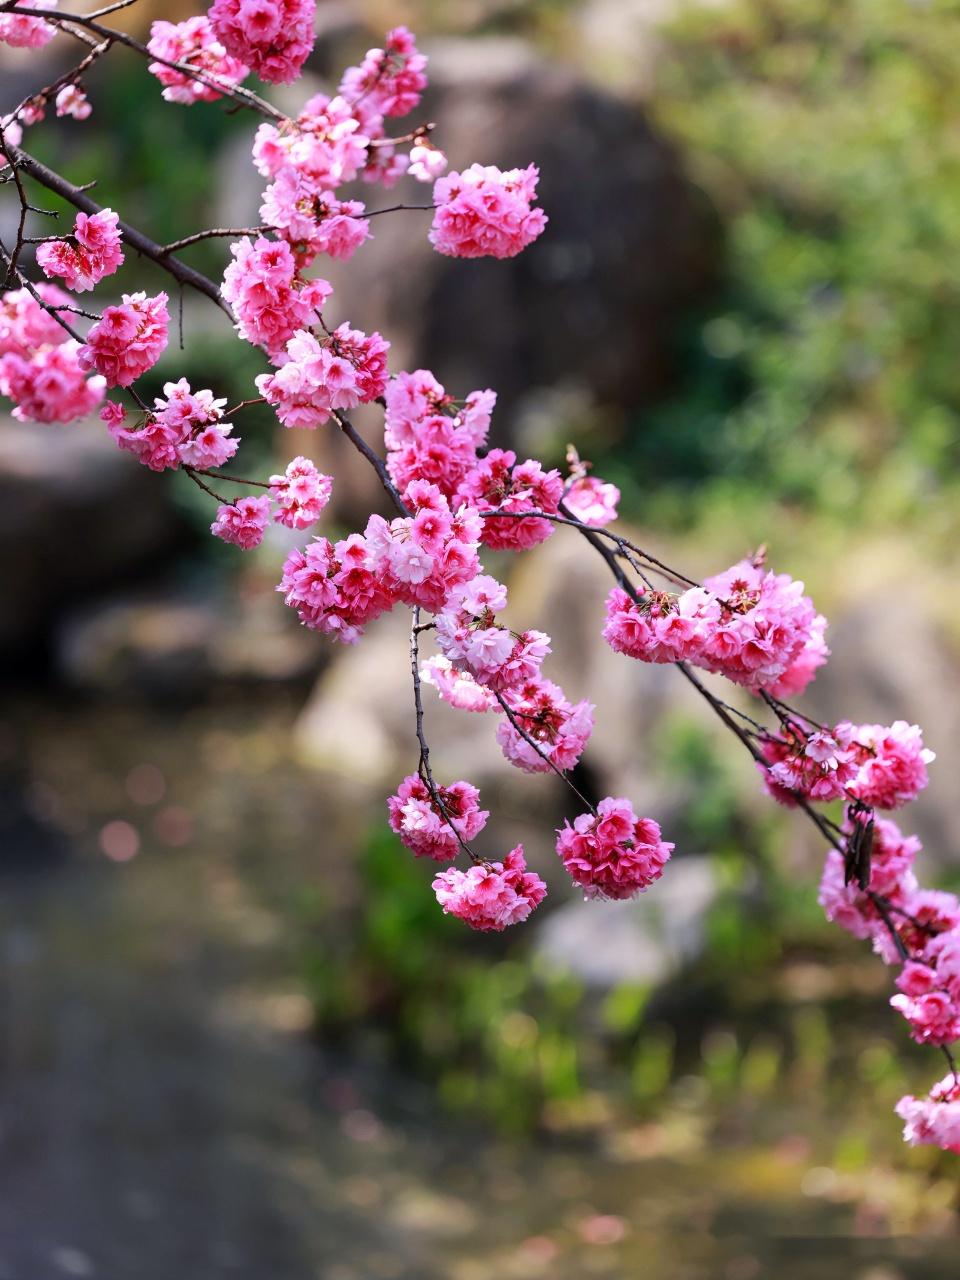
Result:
pixel 164 1113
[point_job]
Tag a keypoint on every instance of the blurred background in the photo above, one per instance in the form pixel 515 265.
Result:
pixel 238 1037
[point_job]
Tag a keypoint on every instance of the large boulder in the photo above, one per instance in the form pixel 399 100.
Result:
pixel 76 516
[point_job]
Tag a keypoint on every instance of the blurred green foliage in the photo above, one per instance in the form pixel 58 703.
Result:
pixel 827 134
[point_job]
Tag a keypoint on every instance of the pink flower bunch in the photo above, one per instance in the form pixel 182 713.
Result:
pixel 457 688
pixel 491 895
pixel 25 325
pixel 592 501
pixel 24 32
pixel 185 428
pixel 325 144
pixel 484 212
pixel 243 522
pixel 428 435
pixel 96 252
pixel 194 43
pixel 934 1120
pixel 931 1011
pixel 270 302
pixel 420 559
pixel 560 728
pixel 320 376
pixel 72 101
pixel 892 761
pixel 313 221
pixel 128 339
pixel 424 826
pixel 803 762
pixel 272 37
pixel 389 80
pixel 612 853
pixel 499 483
pixel 745 624
pixel 467 634
pixel 301 494
pixel 334 589
pixel 39 366
pixel 49 385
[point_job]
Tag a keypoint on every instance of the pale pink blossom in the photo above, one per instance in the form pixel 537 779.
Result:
pixel 559 728
pixel 301 494
pixel 427 162
pixel 271 37
pixel 49 385
pixel 322 376
pixel 27 32
pixel 934 1120
pixel 193 43
pixel 389 80
pixel 72 101
pixel 592 501
pixel 458 688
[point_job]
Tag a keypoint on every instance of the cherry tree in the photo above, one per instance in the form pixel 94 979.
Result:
pixel 450 495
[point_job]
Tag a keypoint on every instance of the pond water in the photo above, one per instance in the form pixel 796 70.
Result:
pixel 165 1111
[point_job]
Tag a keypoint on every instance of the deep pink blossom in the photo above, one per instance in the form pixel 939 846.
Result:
pixel 430 436
pixel 468 634
pixel 321 376
pixel 313 221
pixel 492 895
pixel 301 494
pixel 271 37
pixel 486 213
pixel 612 853
pixel 334 589
pixel 424 826
pixel 270 301
pixel 892 762
pixel 95 253
pixel 242 522
pixel 499 483
pixel 128 339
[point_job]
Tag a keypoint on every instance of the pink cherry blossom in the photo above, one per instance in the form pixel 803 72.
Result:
pixel 242 522
pixel 430 436
pixel 389 80
pixel 934 1120
pixel 334 589
pixel 194 43
pixel 49 385
pixel 95 253
pixel 326 144
pixel 492 895
pixel 270 301
pixel 27 32
pixel 560 728
pixel 457 688
pixel 321 376
pixel 427 162
pixel 499 483
pixel 612 853
pixel 271 37
pixel 806 762
pixel 424 826
pixel 128 339
pixel 301 494
pixel 892 762
pixel 486 213
pixel 313 221
pixel 72 101
pixel 592 501
pixel 468 634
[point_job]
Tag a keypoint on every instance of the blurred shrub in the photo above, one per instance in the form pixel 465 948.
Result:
pixel 827 133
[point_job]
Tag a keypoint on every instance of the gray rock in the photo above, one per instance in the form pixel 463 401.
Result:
pixel 76 515
pixel 647 940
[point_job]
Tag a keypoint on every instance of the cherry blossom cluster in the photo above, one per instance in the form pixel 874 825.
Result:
pixel 127 340
pixel 325 374
pixel 184 428
pixel 429 435
pixel 94 253
pixel 486 213
pixel 884 767
pixel 491 895
pixel 40 369
pixel 23 31
pixel 272 37
pixel 611 853
pixel 195 43
pixel 754 627
pixel 270 301
pixel 499 483
pixel 433 825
